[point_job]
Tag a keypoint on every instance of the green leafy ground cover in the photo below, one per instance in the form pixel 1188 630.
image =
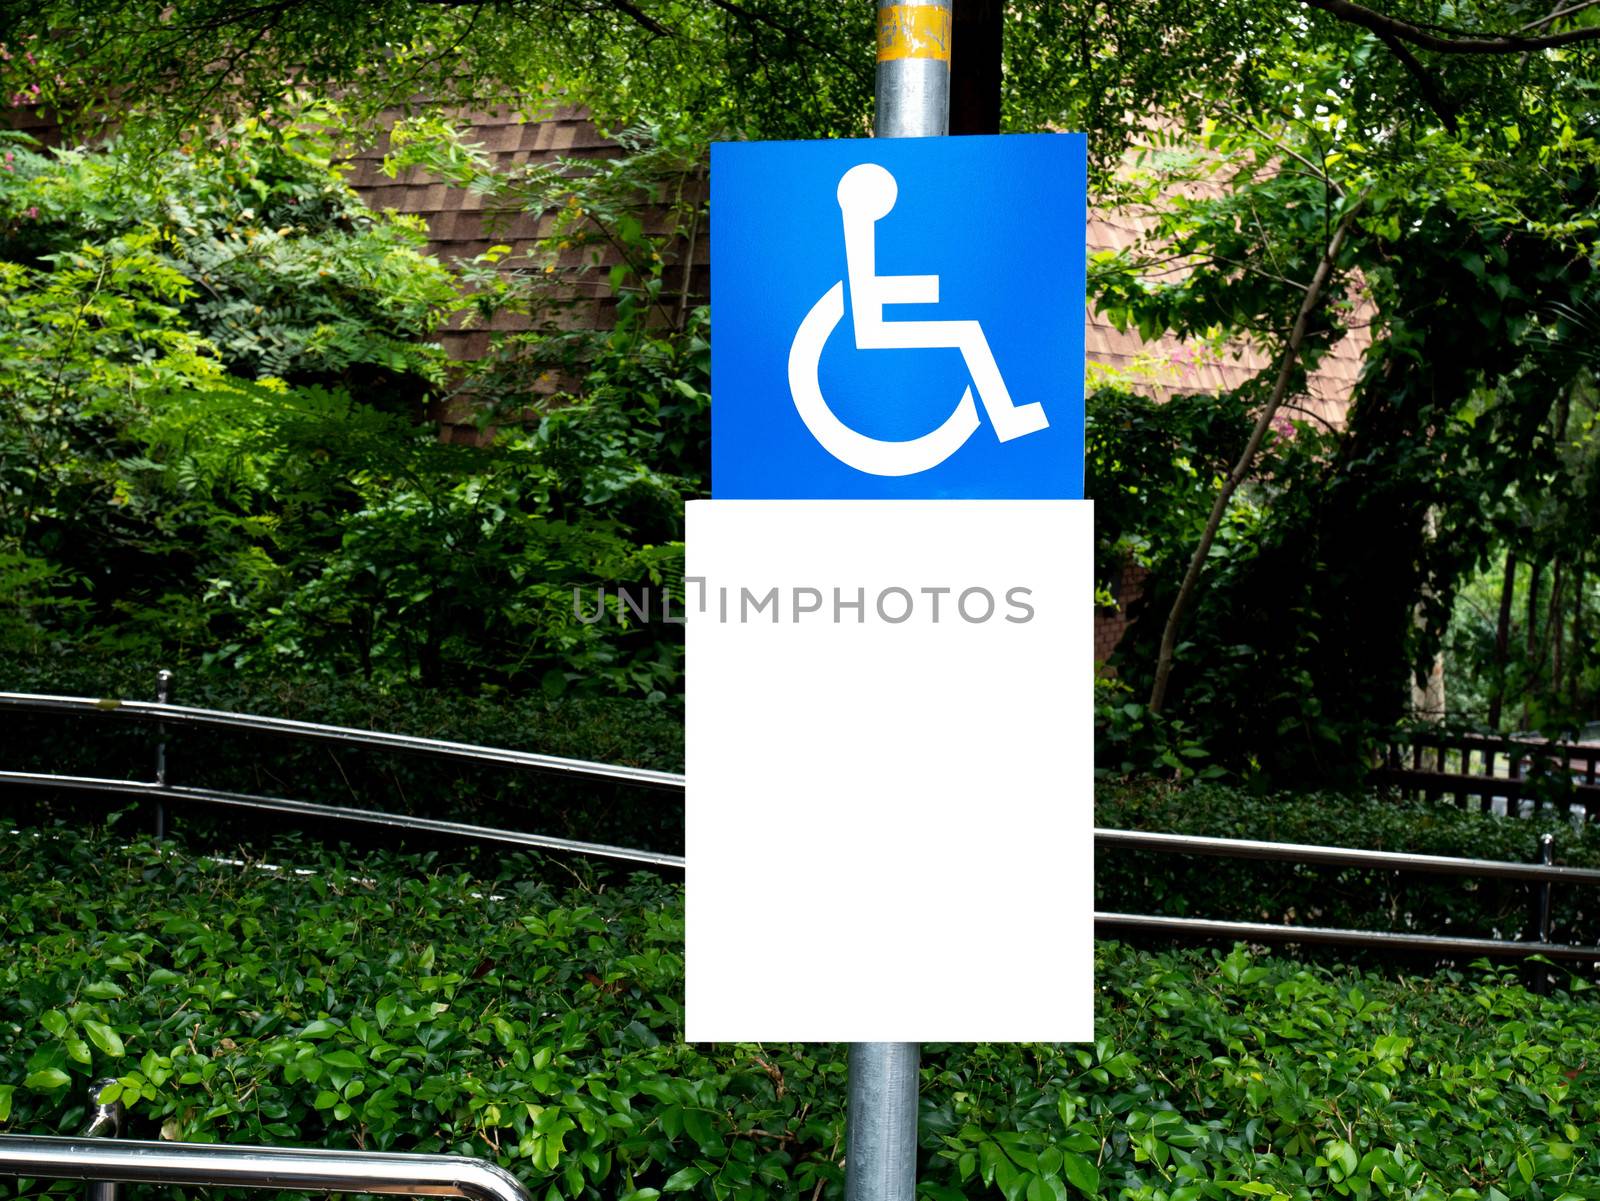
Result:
pixel 522 1013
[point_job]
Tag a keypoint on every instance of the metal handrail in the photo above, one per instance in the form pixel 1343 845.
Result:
pixel 371 817
pixel 136 1162
pixel 1543 874
pixel 579 769
pixel 164 712
pixel 1379 939
pixel 164 715
pixel 1300 852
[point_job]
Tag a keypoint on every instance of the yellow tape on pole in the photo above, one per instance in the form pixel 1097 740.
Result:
pixel 913 31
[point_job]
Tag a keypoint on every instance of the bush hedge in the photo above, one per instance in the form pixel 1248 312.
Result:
pixel 1360 898
pixel 379 1004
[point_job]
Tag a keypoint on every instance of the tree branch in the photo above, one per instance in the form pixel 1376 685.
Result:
pixel 1497 43
pixel 632 11
pixel 755 18
pixel 1318 172
pixel 1443 107
pixel 640 17
pixel 1558 14
pixel 1241 469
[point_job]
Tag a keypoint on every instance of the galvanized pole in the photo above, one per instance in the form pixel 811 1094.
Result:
pixel 913 94
pixel 163 697
pixel 913 101
pixel 881 1122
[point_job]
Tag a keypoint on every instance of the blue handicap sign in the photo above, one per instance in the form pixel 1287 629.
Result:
pixel 898 318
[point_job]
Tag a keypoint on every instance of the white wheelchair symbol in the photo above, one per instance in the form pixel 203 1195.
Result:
pixel 866 194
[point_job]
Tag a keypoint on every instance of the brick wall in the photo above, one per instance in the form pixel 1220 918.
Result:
pixel 1111 623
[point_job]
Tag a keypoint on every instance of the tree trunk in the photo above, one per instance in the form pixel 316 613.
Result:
pixel 1241 469
pixel 1530 637
pixel 1575 671
pixel 1502 641
pixel 1553 629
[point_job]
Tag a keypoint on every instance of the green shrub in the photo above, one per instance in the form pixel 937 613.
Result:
pixel 288 273
pixel 218 437
pixel 1227 1076
pixel 1247 890
pixel 378 1003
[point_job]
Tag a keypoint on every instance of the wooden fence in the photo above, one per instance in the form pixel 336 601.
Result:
pixel 1424 763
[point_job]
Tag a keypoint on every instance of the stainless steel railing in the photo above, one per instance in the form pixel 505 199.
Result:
pixel 1542 875
pixel 188 715
pixel 105 1162
pixel 369 817
pixel 167 717
pixel 1301 852
pixel 222 1164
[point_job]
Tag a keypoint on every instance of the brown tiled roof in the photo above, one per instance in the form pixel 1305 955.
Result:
pixel 1168 366
pixel 462 224
pixel 456 220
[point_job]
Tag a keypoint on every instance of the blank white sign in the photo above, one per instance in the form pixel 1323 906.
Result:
pixel 890 746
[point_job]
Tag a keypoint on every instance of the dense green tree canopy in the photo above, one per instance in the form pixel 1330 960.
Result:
pixel 1453 144
pixel 1470 262
pixel 799 68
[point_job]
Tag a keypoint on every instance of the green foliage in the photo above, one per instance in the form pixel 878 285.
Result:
pixel 783 68
pixel 1130 739
pixel 376 1003
pixel 629 403
pixel 1153 469
pixel 344 538
pixel 1245 1077
pixel 121 272
pixel 1332 593
pixel 161 504
pixel 1542 671
pixel 287 274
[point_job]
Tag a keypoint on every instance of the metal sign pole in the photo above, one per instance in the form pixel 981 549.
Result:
pixel 913 101
pixel 913 92
pixel 881 1144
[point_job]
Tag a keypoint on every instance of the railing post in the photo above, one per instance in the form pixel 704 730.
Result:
pixel 163 697
pixel 1541 912
pixel 105 1121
